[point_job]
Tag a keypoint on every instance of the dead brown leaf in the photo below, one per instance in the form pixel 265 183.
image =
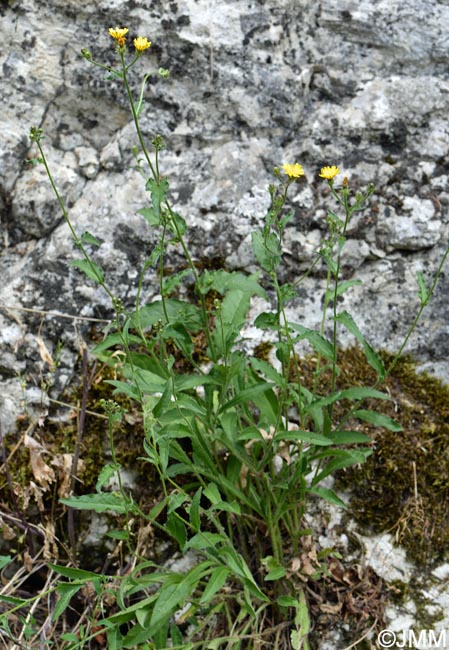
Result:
pixel 42 472
pixel 27 561
pixel 45 353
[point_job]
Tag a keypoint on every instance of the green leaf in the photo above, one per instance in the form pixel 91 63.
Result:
pixel 118 534
pixel 66 592
pixel 328 495
pixel 154 257
pixel 348 437
pixel 103 502
pixel 107 472
pixel 217 579
pixel 361 392
pixel 12 600
pixel 165 399
pixel 423 293
pixel 91 269
pixel 176 528
pixel 298 637
pixel 111 341
pixel 87 238
pixel 286 219
pixel 4 560
pixel 267 369
pixel 204 540
pixel 275 570
pixel 158 193
pixel 341 461
pixel 287 601
pixel 318 342
pixel 177 225
pixel 73 574
pixel 276 574
pixel 267 321
pixel 172 594
pixel 371 356
pixel 194 510
pixel 69 636
pixel 212 493
pixel 378 419
pixel 176 499
pixel 239 567
pixel 224 281
pixel 267 250
pixel 177 310
pixel 234 307
pixel 172 282
pixel 246 395
pixel 342 288
pixel 178 334
pixel 149 215
pixel 176 636
pixel 147 381
pixel 305 436
pixel 124 388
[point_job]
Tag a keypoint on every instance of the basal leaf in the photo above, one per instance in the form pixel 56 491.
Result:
pixel 328 495
pixel 378 419
pixel 72 573
pixel 348 437
pixel 104 502
pixel 304 436
pixel 66 591
pixel 318 342
pixel 217 579
pixel 371 356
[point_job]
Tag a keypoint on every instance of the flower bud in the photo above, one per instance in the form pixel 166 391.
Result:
pixel 86 54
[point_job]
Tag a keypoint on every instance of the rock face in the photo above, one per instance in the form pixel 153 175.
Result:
pixel 253 84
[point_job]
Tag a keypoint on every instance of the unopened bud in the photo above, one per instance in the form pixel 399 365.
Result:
pixel 164 73
pixel 86 54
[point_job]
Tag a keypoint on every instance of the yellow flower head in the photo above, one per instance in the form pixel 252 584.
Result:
pixel 141 43
pixel 293 171
pixel 329 172
pixel 119 34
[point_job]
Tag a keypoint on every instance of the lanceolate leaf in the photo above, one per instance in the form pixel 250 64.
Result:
pixel 72 573
pixel 304 436
pixel 318 342
pixel 328 495
pixel 246 395
pixel 66 591
pixel 378 419
pixel 217 579
pixel 103 502
pixel 371 356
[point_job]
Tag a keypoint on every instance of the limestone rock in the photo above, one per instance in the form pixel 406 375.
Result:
pixel 253 85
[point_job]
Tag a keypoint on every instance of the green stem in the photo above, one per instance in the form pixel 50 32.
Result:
pixel 136 119
pixel 424 304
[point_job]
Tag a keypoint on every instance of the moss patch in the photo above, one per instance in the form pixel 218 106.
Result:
pixel 404 485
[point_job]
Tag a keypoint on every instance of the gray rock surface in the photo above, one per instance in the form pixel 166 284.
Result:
pixel 253 84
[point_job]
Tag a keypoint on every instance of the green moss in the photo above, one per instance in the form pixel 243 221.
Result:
pixel 404 485
pixel 262 351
